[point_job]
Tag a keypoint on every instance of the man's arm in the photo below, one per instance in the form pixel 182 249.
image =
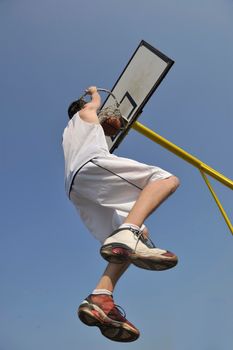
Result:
pixel 89 112
pixel 95 98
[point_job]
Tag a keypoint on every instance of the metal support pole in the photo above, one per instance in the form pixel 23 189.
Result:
pixel 204 168
pixel 217 202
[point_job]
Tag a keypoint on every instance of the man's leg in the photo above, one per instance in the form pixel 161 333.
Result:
pixel 150 198
pixel 99 309
pixel 128 243
pixel 111 275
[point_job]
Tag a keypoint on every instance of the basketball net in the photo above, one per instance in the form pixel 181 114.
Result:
pixel 112 110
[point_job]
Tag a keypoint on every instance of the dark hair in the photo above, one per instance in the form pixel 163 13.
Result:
pixel 76 106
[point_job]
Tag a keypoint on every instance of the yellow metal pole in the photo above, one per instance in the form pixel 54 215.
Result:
pixel 204 168
pixel 224 214
pixel 182 154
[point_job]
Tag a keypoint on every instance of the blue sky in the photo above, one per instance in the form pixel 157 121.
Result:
pixel 52 50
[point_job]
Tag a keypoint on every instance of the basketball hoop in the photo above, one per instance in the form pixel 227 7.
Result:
pixel 112 110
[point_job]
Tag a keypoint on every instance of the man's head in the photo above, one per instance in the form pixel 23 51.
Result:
pixel 76 106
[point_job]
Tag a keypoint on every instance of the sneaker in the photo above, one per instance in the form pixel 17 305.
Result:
pixel 100 311
pixel 128 244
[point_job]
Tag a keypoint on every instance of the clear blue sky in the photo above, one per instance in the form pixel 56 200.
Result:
pixel 52 50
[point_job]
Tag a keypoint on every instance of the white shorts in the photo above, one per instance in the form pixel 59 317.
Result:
pixel 106 188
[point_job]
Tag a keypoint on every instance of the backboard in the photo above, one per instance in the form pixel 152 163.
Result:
pixel 142 75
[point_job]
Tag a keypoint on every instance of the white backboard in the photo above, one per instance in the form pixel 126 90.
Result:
pixel 138 81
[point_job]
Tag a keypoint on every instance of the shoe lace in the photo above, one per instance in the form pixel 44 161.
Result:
pixel 119 309
pixel 139 236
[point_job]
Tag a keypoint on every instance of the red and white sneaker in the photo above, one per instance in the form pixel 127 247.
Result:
pixel 128 244
pixel 100 311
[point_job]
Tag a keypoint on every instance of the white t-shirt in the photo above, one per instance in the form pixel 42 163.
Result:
pixel 82 141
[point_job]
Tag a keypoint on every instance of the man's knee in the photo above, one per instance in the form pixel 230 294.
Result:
pixel 174 183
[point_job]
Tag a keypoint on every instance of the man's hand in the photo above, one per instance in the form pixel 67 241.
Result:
pixel 91 90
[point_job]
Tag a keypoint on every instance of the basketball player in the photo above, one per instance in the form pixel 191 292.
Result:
pixel 113 196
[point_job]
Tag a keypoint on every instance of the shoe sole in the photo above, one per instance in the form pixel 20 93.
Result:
pixel 120 253
pixel 113 330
